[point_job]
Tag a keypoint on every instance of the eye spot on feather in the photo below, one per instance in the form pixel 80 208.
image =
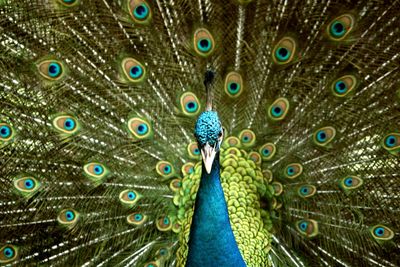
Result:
pixel 6 132
pixel 136 219
pixel 350 183
pixel 129 197
pixel 278 188
pixel 95 171
pixel 306 191
pixel 189 104
pixel 140 11
pixel 203 42
pixel 231 141
pixel 267 151
pixel 193 150
pixel 340 27
pixel 164 223
pixel 255 157
pixel 391 142
pixel 165 169
pixel 133 70
pixel 344 85
pixel 233 84
pixel 187 168
pixel 140 128
pixel 293 170
pixel 162 252
pixel 26 185
pixel 247 138
pixel 175 184
pixel 68 217
pixel 307 227
pixel 381 233
pixel 66 124
pixel 323 136
pixel 278 109
pixel 8 253
pixel 284 51
pixel 52 70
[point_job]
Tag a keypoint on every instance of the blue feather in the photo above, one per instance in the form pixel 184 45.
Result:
pixel 216 245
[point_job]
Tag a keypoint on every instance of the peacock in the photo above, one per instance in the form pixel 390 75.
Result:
pixel 237 133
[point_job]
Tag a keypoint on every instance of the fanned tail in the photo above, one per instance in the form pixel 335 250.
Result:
pixel 98 105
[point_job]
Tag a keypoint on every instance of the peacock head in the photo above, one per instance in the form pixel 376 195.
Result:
pixel 209 134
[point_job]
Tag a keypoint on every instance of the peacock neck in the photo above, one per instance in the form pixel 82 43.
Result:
pixel 211 240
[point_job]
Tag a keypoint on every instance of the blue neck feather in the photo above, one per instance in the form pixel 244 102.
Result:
pixel 211 241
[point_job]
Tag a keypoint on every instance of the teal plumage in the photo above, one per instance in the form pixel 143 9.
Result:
pixel 99 100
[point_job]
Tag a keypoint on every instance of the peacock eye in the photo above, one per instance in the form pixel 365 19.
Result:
pixel 203 42
pixel 51 69
pixel 165 169
pixel 95 171
pixel 340 87
pixel 391 142
pixel 247 138
pixel 164 223
pixel 54 69
pixel 68 217
pixel 190 104
pixel 187 168
pixel 134 71
pixel 66 124
pixel 204 45
pixel 278 109
pixel 350 183
pixel 26 185
pixel 340 27
pixel 267 151
pixel 6 132
pixel 193 150
pixel 129 197
pixel 136 219
pixel 293 170
pixel 307 228
pixel 140 128
pixel 233 84
pixel 323 136
pixel 140 11
pixel 231 141
pixel 175 184
pixel 344 85
pixel 8 253
pixel 255 157
pixel 284 50
pixel 306 191
pixel 381 233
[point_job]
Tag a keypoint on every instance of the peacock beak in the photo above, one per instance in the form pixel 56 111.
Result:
pixel 208 154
